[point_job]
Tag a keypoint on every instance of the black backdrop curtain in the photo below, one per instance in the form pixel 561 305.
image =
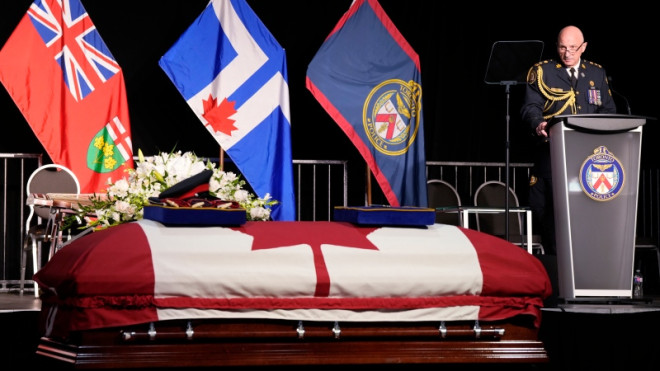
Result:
pixel 465 119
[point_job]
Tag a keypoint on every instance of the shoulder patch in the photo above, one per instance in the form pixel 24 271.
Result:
pixel 531 75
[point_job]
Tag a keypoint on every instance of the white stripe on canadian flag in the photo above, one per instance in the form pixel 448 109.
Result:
pixel 407 259
pixel 223 264
pixel 120 137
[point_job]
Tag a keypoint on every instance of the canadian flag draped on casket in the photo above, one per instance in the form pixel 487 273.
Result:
pixel 329 271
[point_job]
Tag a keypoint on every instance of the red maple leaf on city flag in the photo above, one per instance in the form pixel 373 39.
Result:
pixel 314 234
pixel 217 115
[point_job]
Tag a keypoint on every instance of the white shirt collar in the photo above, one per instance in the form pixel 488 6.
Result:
pixel 577 68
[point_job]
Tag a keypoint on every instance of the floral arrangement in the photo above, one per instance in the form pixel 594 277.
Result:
pixel 124 200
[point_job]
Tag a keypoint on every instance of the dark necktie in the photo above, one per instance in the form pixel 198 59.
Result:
pixel 573 78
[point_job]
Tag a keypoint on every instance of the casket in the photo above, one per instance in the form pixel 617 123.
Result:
pixel 143 294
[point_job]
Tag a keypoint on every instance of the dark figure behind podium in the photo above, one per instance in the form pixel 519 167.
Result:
pixel 569 86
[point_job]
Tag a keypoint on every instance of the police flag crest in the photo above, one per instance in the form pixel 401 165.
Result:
pixel 601 176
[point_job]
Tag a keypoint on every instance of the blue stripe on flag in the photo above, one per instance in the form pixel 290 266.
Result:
pixel 252 66
pixel 198 55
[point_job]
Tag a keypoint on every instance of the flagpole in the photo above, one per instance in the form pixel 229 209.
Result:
pixel 368 186
pixel 222 159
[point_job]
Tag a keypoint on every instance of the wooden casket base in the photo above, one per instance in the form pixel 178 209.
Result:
pixel 207 343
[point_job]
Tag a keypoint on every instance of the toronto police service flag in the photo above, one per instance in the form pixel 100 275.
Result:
pixel 367 77
pixel 71 91
pixel 232 72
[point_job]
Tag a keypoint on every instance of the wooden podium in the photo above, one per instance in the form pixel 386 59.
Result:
pixel 595 170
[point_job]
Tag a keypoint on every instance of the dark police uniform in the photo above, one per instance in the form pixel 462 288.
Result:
pixel 549 93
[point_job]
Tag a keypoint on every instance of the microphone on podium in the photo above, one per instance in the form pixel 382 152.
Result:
pixel 609 79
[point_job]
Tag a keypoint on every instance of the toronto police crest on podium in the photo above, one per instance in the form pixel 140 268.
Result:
pixel 602 176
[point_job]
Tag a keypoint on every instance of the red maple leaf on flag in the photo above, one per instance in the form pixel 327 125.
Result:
pixel 277 234
pixel 217 115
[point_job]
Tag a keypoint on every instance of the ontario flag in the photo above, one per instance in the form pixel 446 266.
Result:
pixel 367 78
pixel 71 91
pixel 232 72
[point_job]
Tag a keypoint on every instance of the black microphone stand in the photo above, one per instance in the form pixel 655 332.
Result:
pixel 507 90
pixel 609 79
pixel 507 65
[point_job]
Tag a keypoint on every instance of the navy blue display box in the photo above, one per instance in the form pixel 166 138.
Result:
pixel 385 215
pixel 195 216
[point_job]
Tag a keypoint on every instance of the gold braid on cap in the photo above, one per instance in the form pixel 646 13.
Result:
pixel 553 97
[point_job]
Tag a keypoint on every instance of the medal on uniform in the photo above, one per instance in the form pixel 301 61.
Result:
pixel 594 97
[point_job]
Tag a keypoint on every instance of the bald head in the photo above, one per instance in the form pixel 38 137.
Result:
pixel 570 45
pixel 570 33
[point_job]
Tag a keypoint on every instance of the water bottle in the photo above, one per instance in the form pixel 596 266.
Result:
pixel 638 289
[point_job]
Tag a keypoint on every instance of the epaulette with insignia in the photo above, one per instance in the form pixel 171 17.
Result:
pixel 595 64
pixel 542 62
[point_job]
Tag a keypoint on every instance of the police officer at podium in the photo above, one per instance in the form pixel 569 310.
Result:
pixel 567 86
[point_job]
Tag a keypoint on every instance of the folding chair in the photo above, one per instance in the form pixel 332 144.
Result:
pixel 441 194
pixel 50 178
pixel 491 194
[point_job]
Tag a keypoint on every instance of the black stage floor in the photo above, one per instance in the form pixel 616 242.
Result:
pixel 578 336
pixel 593 334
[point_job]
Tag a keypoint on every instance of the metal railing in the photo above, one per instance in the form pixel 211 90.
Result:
pixel 466 177
pixel 320 186
pixel 317 190
pixel 15 169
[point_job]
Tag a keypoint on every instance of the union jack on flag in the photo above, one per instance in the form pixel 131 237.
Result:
pixel 71 91
pixel 79 50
